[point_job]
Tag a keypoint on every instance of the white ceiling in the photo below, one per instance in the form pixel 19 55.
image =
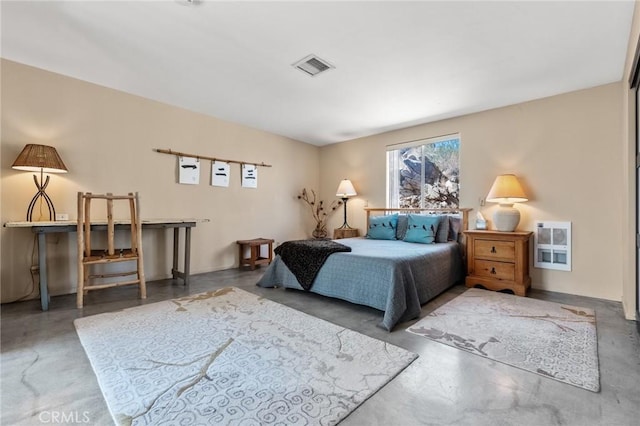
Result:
pixel 396 63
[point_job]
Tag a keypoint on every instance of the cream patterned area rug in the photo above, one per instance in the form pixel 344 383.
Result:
pixel 554 340
pixel 230 357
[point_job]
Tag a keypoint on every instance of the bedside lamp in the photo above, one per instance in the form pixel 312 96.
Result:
pixel 43 159
pixel 345 190
pixel 506 190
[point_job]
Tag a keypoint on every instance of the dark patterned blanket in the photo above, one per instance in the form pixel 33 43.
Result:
pixel 304 258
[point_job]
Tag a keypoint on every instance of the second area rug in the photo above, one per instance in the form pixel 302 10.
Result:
pixel 551 339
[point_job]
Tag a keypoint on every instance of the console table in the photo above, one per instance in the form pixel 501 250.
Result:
pixel 43 228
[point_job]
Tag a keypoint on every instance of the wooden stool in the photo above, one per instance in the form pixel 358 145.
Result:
pixel 254 250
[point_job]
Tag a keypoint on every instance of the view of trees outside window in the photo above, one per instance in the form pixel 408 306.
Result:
pixel 425 175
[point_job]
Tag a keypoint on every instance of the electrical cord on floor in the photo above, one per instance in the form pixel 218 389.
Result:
pixel 33 270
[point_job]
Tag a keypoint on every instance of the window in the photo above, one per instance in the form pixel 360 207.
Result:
pixel 424 173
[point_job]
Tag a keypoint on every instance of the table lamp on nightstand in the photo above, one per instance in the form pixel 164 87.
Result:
pixel 345 190
pixel 506 190
pixel 43 159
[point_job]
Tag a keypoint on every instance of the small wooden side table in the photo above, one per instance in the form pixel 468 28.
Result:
pixel 254 247
pixel 339 233
pixel 498 260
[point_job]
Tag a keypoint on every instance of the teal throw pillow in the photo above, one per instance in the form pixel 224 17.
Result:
pixel 382 227
pixel 422 229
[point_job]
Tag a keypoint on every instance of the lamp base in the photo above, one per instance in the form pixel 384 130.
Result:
pixel 345 225
pixel 506 218
pixel 41 194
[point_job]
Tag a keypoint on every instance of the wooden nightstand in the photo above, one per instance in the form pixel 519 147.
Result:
pixel 498 260
pixel 345 233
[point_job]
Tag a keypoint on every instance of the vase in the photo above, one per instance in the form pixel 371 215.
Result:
pixel 320 231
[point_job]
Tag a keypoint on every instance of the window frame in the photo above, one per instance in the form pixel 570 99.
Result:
pixel 395 148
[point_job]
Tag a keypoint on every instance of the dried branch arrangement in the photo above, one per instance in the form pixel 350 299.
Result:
pixel 318 210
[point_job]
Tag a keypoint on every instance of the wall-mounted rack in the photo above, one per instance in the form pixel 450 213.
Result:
pixel 204 157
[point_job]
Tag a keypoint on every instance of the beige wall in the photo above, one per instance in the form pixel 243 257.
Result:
pixel 566 149
pixel 629 147
pixel 106 138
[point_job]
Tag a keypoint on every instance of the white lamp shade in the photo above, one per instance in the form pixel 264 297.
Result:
pixel 506 190
pixel 345 189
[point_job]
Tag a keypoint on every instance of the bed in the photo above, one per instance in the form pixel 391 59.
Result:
pixel 393 276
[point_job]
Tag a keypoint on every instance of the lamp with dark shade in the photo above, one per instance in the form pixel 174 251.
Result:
pixel 43 159
pixel 345 190
pixel 506 190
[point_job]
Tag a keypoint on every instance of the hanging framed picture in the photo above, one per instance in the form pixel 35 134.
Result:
pixel 552 245
pixel 249 176
pixel 188 170
pixel 219 173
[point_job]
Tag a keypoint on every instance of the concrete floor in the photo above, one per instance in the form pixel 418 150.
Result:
pixel 46 377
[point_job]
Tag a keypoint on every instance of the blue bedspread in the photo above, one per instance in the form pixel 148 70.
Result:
pixel 393 276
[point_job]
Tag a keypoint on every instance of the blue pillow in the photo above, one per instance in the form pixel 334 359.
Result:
pixel 383 227
pixel 422 229
pixel 442 234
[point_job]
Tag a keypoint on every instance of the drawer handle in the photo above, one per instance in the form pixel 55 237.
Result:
pixel 493 271
pixel 493 249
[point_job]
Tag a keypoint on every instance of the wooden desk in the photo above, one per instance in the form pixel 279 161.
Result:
pixel 43 228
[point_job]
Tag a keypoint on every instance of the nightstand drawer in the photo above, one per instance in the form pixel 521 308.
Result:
pixel 495 250
pixel 494 270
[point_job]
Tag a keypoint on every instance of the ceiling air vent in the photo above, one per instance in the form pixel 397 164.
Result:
pixel 312 65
